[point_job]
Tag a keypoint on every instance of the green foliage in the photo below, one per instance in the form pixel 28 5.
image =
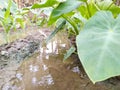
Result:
pixel 48 3
pixel 109 5
pixel 63 8
pixel 98 46
pixel 69 52
pixel 57 29
pixel 4 5
pixel 10 16
pixel 5 20
pixel 83 9
pixel 98 39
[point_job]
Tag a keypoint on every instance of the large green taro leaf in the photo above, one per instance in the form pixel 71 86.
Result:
pixel 63 8
pixel 98 46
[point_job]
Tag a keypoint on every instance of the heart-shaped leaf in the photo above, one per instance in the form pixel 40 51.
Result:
pixel 63 8
pixel 98 46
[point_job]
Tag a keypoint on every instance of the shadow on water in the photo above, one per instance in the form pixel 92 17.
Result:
pixel 47 71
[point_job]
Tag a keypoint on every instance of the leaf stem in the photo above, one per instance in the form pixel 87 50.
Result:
pixel 111 4
pixel 97 7
pixel 72 23
pixel 88 9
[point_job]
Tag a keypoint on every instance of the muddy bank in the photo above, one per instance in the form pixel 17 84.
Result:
pixel 20 49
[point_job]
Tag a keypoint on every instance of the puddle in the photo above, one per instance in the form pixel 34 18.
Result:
pixel 47 71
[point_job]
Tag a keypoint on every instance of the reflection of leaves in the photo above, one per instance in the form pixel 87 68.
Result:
pixel 98 46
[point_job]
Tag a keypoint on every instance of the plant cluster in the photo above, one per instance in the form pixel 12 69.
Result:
pixel 11 16
pixel 96 25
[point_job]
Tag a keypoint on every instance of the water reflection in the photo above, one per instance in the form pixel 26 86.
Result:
pixel 52 47
pixel 33 68
pixel 45 67
pixel 34 80
pixel 37 71
pixel 76 69
pixel 19 76
pixel 47 57
pixel 46 80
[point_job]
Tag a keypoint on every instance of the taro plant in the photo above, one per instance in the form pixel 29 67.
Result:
pixel 5 20
pixel 96 25
pixel 10 17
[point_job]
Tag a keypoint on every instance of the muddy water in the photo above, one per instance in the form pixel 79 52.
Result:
pixel 47 71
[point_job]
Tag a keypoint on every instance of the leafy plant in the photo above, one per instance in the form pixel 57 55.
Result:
pixel 98 46
pixel 6 20
pixel 10 16
pixel 96 25
pixel 69 52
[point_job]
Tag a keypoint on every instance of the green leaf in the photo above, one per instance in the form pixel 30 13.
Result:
pixel 7 13
pixel 14 7
pixel 83 0
pixel 69 52
pixel 41 22
pixel 48 3
pixel 4 5
pixel 98 46
pixel 81 20
pixel 21 22
pixel 84 10
pixel 63 8
pixel 1 14
pixel 57 29
pixel 106 5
